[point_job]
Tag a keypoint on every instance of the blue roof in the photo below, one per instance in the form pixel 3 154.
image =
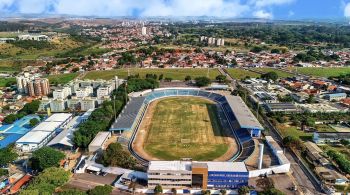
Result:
pixel 336 94
pixel 9 139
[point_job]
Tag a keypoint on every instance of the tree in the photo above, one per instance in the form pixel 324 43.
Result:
pixel 168 79
pixel 72 192
pixel 9 119
pixel 221 78
pixel 188 78
pixel 243 190
pixel 33 122
pixel 47 181
pixel 223 192
pixel 270 76
pixel 234 62
pixel 158 189
pixel 161 77
pixel 7 155
pixel 256 49
pixel 271 191
pixel 311 99
pixel 206 192
pixel 174 191
pixel 202 81
pixel 345 142
pixel 101 190
pixel 115 155
pixel 46 157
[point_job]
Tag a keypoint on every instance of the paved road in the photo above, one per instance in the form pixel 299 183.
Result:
pixel 301 176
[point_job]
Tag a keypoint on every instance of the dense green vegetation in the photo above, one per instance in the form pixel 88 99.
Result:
pixel 29 108
pixel 313 55
pixel 344 79
pixel 101 118
pixel 7 155
pixel 342 161
pixel 46 157
pixel 33 122
pixel 7 82
pixel 46 182
pixel 115 155
pixel 31 44
pixel 202 81
pixel 101 190
pixel 284 34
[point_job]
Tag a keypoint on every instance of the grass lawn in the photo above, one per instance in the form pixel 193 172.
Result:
pixel 174 73
pixel 4 81
pixel 325 128
pixel 241 74
pixel 185 127
pixel 287 130
pixel 62 78
pixel 280 74
pixel 324 72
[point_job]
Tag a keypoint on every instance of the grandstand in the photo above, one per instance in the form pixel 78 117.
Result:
pixel 242 121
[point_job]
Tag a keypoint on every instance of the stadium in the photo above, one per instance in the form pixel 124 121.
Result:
pixel 187 123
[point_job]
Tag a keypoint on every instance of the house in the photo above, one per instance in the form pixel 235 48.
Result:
pixel 335 96
pixel 300 97
pixel 313 154
pixel 330 137
pixel 330 176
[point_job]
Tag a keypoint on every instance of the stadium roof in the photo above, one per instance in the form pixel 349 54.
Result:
pixel 35 137
pixel 127 117
pixel 244 116
pixel 59 117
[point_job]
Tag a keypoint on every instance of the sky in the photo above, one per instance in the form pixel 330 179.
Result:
pixel 265 9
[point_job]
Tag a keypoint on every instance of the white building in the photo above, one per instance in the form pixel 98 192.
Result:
pixel 144 30
pixel 103 91
pixel 98 143
pixel 58 105
pixel 87 104
pixel 43 133
pixel 33 37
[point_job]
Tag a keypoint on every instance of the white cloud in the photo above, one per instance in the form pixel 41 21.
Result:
pixel 219 8
pixel 347 10
pixel 263 14
pixel 266 3
pixel 291 13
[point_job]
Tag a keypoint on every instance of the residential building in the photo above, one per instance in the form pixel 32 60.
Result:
pixel 335 96
pixel 330 137
pixel 313 154
pixel 58 105
pixel 87 103
pixel 330 176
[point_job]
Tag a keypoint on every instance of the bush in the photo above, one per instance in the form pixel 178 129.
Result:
pixel 202 81
pixel 101 190
pixel 340 159
pixel 46 157
pixel 33 122
pixel 47 181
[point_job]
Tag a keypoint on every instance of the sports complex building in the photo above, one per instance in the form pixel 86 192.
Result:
pixel 182 173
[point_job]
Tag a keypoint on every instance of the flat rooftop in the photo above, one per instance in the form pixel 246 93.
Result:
pixel 34 137
pixel 59 117
pixel 227 166
pixel 244 116
pixel 169 166
pixel 187 166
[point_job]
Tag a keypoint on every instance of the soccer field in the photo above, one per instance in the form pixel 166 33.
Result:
pixel 185 127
